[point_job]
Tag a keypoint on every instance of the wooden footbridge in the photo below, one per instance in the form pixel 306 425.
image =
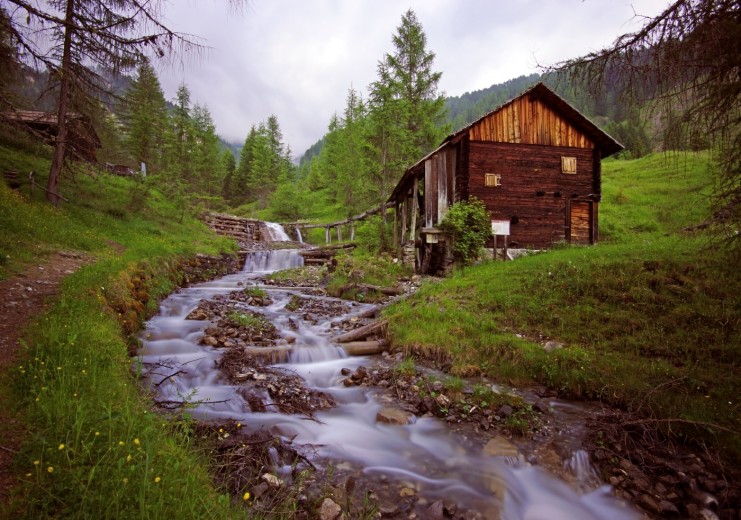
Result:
pixel 338 226
pixel 253 234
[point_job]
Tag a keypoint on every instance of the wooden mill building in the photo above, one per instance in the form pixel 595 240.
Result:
pixel 535 162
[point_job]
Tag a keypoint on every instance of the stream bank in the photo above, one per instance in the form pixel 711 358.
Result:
pixel 358 431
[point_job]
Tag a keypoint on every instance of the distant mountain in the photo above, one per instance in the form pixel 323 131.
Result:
pixel 468 107
pixel 235 148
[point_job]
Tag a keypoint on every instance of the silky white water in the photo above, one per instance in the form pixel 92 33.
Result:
pixel 277 233
pixel 425 454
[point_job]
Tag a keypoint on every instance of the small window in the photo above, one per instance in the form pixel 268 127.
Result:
pixel 568 165
pixel 492 180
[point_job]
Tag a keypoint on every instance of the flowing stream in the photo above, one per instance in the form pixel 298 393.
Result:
pixel 425 454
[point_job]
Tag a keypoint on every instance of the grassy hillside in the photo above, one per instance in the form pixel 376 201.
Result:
pixel 649 318
pixel 93 447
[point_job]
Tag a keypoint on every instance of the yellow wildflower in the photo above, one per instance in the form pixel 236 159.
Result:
pixel 246 496
pixel 50 469
pixel 136 441
pixel 61 446
pixel 36 463
pixel 156 480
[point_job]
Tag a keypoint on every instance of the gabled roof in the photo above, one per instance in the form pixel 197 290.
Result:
pixel 602 140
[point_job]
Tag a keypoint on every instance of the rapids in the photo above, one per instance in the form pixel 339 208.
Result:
pixel 424 455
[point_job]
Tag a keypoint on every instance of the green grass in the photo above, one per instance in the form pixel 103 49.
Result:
pixel 242 319
pixel 649 318
pixel 362 268
pixel 94 447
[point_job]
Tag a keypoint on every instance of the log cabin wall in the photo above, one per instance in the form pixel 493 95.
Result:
pixel 543 158
pixel 534 194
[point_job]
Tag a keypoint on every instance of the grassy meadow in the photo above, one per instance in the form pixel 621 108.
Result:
pixel 93 448
pixel 649 318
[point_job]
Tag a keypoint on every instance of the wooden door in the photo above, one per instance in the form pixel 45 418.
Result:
pixel 580 223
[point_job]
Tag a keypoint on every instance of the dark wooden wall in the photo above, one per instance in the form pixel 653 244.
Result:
pixel 534 195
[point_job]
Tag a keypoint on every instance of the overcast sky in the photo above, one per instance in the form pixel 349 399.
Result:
pixel 297 58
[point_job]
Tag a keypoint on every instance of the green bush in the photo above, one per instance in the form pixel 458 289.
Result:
pixel 469 224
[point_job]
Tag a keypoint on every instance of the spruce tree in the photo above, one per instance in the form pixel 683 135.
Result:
pixel 144 114
pixel 406 108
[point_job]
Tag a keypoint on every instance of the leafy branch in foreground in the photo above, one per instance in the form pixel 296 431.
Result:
pixel 685 64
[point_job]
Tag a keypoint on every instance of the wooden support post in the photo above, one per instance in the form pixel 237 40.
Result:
pixel 495 247
pixel 339 233
pixel 352 232
pixel 404 207
pixel 415 210
pixel 396 225
pixel 505 248
pixel 327 235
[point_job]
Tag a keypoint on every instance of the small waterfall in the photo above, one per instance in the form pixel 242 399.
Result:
pixel 581 467
pixel 277 233
pixel 262 261
pixel 298 236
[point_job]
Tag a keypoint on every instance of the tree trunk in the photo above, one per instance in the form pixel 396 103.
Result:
pixel 60 143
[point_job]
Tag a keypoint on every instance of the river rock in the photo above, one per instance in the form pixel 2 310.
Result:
pixel 329 510
pixel 442 401
pixel 666 508
pixel 550 346
pixel 541 406
pixel 436 511
pixel 649 503
pixel 210 341
pixel 505 410
pixel 388 415
pixel 500 447
pixel 272 480
pixel 407 492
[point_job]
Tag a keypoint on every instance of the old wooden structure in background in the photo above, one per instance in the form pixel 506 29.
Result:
pixel 535 161
pixel 82 139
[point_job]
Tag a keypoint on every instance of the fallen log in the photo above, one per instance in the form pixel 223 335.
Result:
pixel 364 348
pixel 362 332
pixel 369 313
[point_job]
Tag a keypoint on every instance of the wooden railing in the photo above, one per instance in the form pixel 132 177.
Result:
pixel 292 226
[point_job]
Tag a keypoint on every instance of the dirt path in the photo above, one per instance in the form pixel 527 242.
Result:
pixel 21 298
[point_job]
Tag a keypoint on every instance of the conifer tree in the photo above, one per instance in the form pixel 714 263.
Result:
pixel 406 108
pixel 71 38
pixel 228 169
pixel 206 170
pixel 144 115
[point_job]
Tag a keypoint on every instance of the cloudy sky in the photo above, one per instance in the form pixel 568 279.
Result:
pixel 297 58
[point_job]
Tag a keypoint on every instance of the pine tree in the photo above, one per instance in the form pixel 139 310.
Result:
pixel 206 171
pixel 242 183
pixel 406 108
pixel 144 115
pixel 70 38
pixel 228 170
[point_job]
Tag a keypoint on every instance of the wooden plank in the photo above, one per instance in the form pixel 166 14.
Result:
pixel 415 210
pixel 429 193
pixel 442 185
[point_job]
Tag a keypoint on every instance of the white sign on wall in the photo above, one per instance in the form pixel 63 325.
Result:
pixel 500 227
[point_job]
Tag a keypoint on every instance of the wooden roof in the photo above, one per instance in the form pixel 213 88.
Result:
pixel 83 140
pixel 537 116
